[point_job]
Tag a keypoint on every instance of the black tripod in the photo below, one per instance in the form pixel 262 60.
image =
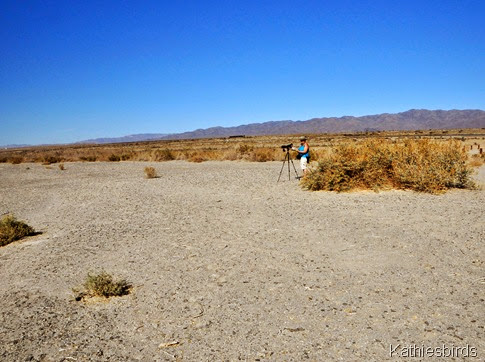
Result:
pixel 288 159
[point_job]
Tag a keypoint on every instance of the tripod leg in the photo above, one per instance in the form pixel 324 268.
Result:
pixel 294 168
pixel 282 167
pixel 289 159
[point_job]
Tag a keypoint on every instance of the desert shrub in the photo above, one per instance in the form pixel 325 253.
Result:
pixel 103 285
pixel 114 158
pixel 12 229
pixel 418 165
pixel 150 172
pixel 262 155
pixel 3 159
pixel 244 149
pixel 88 158
pixel 49 159
pixel 163 155
pixel 15 160
pixel 61 167
pixel 197 157
pixel 477 160
pixel 125 157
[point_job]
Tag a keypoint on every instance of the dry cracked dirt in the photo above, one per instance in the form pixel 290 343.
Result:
pixel 228 264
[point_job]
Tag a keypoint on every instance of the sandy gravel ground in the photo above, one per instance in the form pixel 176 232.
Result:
pixel 229 265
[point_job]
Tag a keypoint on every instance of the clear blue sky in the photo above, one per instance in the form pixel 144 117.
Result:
pixel 72 70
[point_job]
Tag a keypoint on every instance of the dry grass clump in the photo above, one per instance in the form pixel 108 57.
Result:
pixel 197 158
pixel 264 155
pixel 150 172
pixel 12 229
pixel 477 160
pixel 15 160
pixel 61 167
pixel 419 165
pixel 49 159
pixel 103 285
pixel 163 155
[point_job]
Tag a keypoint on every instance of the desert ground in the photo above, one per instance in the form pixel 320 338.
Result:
pixel 228 264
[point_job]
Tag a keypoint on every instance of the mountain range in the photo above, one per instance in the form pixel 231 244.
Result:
pixel 414 119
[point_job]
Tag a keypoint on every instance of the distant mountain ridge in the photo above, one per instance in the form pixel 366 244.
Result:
pixel 414 119
pixel 129 138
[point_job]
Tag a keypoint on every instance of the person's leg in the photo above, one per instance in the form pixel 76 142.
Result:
pixel 303 164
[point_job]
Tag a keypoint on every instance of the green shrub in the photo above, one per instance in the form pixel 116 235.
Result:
pixel 12 229
pixel 103 285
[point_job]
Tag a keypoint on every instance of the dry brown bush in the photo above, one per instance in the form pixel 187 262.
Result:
pixel 61 167
pixel 419 165
pixel 263 155
pixel 49 159
pixel 15 160
pixel 150 172
pixel 196 157
pixel 114 158
pixel 477 160
pixel 163 155
pixel 12 229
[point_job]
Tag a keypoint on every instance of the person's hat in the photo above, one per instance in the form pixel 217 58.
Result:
pixel 302 138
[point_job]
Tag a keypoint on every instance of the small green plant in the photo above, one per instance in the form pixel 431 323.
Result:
pixel 103 285
pixel 12 229
pixel 150 172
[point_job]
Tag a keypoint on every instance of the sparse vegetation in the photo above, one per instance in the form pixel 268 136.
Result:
pixel 114 158
pixel 49 159
pixel 103 285
pixel 477 160
pixel 150 172
pixel 12 229
pixel 163 155
pixel 419 165
pixel 61 167
pixel 256 149
pixel 15 160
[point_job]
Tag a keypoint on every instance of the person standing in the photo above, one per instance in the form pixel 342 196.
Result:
pixel 303 154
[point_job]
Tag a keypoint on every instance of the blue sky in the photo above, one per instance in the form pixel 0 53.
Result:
pixel 72 70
